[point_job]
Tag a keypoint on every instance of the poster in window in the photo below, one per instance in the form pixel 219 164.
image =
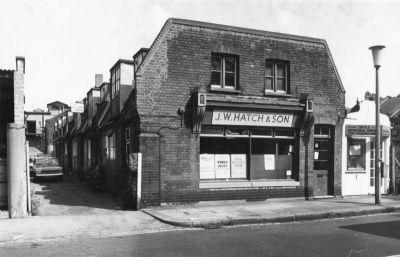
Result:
pixel 238 165
pixel 355 150
pixel 222 166
pixel 207 166
pixel 269 162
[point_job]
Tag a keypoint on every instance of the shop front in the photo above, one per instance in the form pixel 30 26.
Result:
pixel 249 147
pixel 359 152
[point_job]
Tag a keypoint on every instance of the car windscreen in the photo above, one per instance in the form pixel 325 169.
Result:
pixel 46 162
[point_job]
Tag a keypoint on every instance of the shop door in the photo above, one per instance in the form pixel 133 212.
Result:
pixel 323 164
pixel 372 168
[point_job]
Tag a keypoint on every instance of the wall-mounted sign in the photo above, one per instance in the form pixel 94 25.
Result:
pixel 207 170
pixel 269 162
pixel 366 130
pixel 222 166
pixel 238 165
pixel 252 119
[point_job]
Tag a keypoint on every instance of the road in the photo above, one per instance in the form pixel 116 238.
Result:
pixel 377 235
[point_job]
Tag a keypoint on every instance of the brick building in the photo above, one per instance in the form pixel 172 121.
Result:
pixel 217 112
pixel 221 112
pixel 11 112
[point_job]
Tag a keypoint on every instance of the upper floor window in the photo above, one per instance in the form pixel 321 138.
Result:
pixel 276 77
pixel 224 71
pixel 115 82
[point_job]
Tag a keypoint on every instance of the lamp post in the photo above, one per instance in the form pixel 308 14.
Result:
pixel 376 55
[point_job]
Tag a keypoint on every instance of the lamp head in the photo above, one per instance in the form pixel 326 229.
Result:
pixel 377 54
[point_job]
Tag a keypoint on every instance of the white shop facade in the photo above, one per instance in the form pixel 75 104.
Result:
pixel 358 155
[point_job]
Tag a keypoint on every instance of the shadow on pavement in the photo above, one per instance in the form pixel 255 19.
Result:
pixel 386 229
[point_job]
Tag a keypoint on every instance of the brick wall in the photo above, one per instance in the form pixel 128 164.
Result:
pixel 179 63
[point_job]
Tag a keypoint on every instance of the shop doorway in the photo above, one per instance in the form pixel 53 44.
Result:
pixel 323 160
pixel 372 167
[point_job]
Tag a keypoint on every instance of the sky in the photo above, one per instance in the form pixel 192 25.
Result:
pixel 66 42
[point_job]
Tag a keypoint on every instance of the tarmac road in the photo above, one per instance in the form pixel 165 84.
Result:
pixel 375 235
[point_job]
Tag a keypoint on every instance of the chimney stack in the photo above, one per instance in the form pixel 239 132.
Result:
pixel 98 80
pixel 20 64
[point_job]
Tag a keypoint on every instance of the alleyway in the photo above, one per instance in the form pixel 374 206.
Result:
pixel 70 197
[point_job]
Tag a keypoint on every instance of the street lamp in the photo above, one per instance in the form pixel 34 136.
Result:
pixel 376 55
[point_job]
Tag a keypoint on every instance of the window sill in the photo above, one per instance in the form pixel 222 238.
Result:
pixel 248 184
pixel 275 94
pixel 225 90
pixel 355 170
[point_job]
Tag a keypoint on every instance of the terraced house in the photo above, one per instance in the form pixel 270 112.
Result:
pixel 220 112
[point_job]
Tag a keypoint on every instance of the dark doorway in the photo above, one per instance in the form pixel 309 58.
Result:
pixel 323 160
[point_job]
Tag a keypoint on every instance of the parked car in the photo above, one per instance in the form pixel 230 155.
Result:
pixel 47 167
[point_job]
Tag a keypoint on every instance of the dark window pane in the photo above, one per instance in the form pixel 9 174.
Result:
pixel 284 133
pixel 216 63
pixel 230 79
pixel 269 70
pixel 263 146
pixel 325 131
pixel 280 70
pixel 261 132
pixel 280 85
pixel 268 84
pixel 215 78
pixel 230 64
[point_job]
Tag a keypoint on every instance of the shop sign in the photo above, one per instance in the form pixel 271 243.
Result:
pixel 269 162
pixel 238 165
pixel 207 166
pixel 252 119
pixel 222 166
pixel 366 130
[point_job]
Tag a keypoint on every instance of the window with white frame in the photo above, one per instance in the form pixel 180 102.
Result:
pixel 276 77
pixel 355 153
pixel 224 71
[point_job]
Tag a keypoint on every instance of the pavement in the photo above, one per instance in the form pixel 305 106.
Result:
pixel 200 215
pixel 278 210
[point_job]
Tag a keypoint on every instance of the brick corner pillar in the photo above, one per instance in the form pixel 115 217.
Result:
pixel 17 193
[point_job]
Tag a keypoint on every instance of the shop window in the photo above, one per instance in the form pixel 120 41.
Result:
pixel 355 154
pixel 223 158
pixel 224 71
pixel 276 77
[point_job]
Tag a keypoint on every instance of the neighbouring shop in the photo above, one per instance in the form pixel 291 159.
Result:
pixel 359 151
